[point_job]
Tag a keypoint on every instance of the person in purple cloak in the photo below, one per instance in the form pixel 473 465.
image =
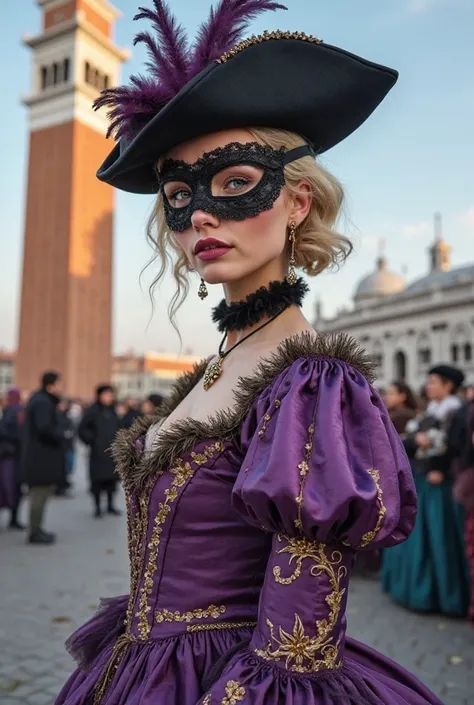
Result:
pixel 274 462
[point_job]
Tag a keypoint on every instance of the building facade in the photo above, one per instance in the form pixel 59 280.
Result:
pixel 138 376
pixel 7 372
pixel 410 327
pixel 66 299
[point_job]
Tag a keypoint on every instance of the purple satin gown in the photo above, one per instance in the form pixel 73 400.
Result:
pixel 243 530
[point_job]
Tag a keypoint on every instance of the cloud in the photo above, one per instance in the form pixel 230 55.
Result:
pixel 466 220
pixel 370 242
pixel 417 7
pixel 417 230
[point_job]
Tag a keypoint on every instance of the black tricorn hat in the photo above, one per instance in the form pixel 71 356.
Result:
pixel 449 373
pixel 284 80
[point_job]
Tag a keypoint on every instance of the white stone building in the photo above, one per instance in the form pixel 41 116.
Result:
pixel 138 376
pixel 410 327
pixel 7 372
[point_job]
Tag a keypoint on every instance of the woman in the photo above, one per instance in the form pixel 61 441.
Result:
pixel 10 454
pixel 401 404
pixel 97 430
pixel 271 464
pixel 429 572
pixel 152 404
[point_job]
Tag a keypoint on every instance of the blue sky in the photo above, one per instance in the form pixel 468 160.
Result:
pixel 414 157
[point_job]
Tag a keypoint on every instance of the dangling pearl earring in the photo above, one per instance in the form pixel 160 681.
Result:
pixel 292 277
pixel 202 291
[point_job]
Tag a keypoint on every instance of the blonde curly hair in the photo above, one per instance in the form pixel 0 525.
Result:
pixel 318 245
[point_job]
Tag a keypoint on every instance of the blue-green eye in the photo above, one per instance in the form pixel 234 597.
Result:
pixel 179 198
pixel 236 183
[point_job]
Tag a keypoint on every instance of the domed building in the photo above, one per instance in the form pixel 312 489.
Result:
pixel 382 282
pixel 410 327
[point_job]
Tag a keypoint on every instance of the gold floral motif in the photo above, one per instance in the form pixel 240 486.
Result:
pixel 222 625
pixel 300 650
pixel 201 458
pixel 207 700
pixel 303 467
pixel 262 431
pixel 299 549
pixel 265 37
pixel 277 403
pixel 369 536
pixel 183 472
pixel 303 653
pixel 137 527
pixel 211 612
pixel 234 693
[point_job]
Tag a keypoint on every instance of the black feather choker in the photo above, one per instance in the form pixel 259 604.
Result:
pixel 266 302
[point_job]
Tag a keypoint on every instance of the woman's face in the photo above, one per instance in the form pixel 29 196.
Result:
pixel 148 408
pixel 235 249
pixel 394 399
pixel 437 388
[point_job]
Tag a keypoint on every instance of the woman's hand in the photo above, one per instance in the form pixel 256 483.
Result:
pixel 435 477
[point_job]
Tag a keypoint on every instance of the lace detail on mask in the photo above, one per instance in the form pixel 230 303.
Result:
pixel 198 177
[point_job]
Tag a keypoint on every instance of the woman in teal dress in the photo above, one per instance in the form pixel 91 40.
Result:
pixel 429 571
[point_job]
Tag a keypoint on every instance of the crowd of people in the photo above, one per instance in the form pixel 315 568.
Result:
pixel 38 442
pixel 432 571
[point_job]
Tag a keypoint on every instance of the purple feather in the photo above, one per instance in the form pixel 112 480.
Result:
pixel 132 107
pixel 169 50
pixel 225 28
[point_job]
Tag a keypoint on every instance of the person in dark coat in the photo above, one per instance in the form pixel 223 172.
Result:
pixel 132 413
pixel 98 429
pixel 66 424
pixel 42 459
pixel 10 453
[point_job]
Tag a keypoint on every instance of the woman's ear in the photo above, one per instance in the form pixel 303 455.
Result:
pixel 301 202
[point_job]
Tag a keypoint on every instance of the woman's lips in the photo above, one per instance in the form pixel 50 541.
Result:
pixel 213 253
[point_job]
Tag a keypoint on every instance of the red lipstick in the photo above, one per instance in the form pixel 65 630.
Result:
pixel 209 249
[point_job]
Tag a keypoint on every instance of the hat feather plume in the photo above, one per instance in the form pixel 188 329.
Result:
pixel 170 62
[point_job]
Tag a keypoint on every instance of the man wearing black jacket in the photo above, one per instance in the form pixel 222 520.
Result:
pixel 98 429
pixel 42 462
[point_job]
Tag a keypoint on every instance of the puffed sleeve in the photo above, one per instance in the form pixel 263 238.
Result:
pixel 325 472
pixel 323 459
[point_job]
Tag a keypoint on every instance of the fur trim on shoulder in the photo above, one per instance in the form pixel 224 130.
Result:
pixel 135 465
pixel 339 346
pixel 128 452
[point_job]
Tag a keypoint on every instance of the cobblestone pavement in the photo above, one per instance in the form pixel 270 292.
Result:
pixel 46 592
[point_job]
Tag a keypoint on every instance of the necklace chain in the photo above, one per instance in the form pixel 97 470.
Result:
pixel 214 370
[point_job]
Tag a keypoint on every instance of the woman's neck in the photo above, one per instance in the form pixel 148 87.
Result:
pixel 239 289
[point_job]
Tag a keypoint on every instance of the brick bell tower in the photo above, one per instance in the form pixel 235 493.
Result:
pixel 66 301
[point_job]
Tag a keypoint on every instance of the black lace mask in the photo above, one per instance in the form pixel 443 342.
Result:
pixel 187 188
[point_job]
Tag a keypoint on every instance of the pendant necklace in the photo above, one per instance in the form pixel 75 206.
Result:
pixel 214 370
